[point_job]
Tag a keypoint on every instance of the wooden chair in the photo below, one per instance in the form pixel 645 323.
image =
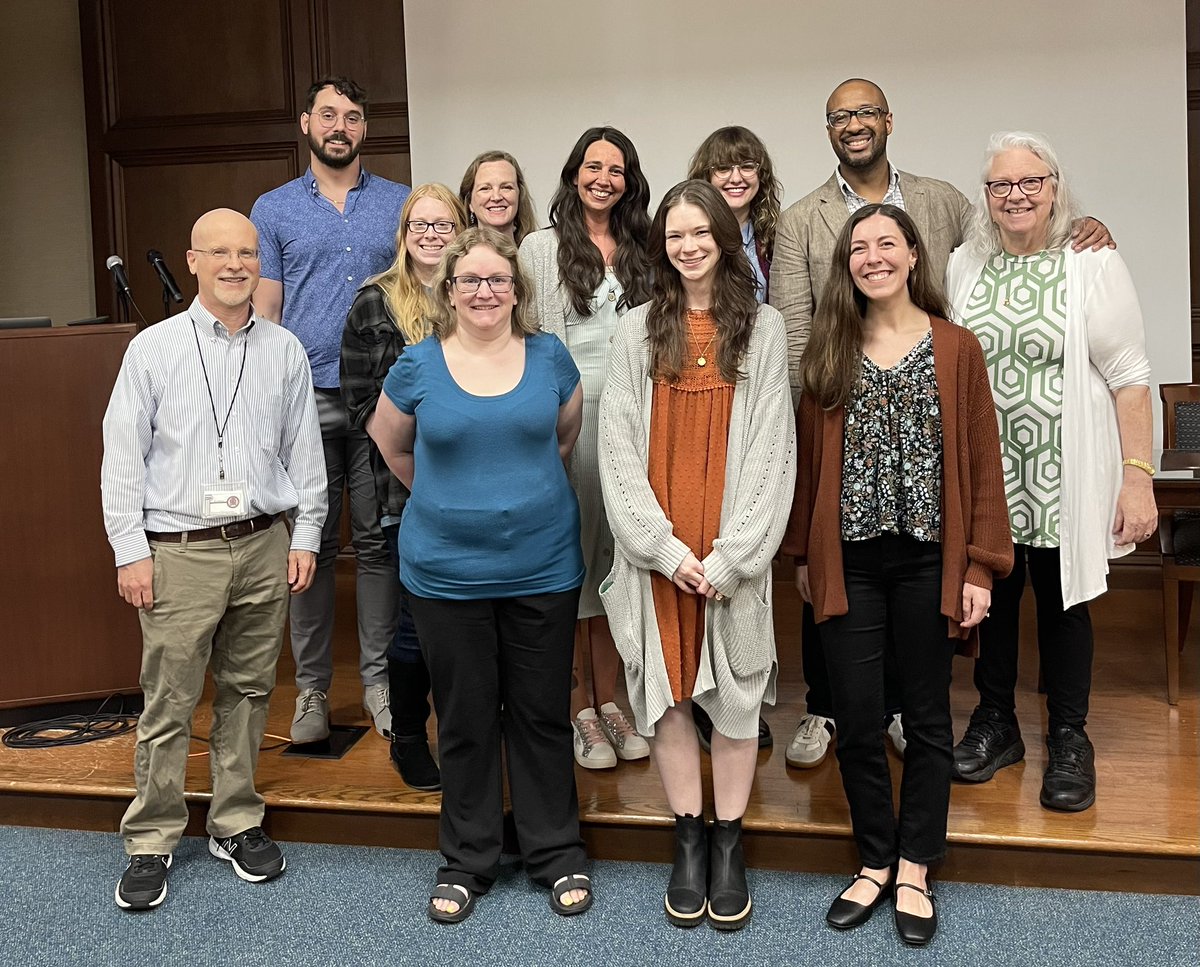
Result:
pixel 1179 531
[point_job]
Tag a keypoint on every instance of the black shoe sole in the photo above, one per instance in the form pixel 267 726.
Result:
pixel 1074 808
pixel 1009 757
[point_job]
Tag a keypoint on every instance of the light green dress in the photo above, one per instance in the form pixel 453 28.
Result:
pixel 588 339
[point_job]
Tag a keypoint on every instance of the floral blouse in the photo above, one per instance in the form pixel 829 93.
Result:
pixel 892 456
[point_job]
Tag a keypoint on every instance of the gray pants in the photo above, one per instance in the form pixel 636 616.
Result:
pixel 348 465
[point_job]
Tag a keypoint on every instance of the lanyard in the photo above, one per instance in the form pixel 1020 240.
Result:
pixel 220 426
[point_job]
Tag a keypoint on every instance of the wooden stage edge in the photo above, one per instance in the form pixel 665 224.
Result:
pixel 1143 834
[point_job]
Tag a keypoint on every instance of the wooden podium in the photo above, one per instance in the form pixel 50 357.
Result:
pixel 65 633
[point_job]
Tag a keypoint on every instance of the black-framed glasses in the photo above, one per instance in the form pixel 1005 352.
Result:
pixel 328 118
pixel 469 284
pixel 1029 186
pixel 869 115
pixel 223 254
pixel 419 227
pixel 747 168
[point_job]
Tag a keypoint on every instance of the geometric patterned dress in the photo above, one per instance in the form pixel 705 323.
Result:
pixel 1018 311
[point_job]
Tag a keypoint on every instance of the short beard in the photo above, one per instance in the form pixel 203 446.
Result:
pixel 332 161
pixel 880 146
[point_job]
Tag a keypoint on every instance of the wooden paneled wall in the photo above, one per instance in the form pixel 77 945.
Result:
pixel 1193 109
pixel 197 107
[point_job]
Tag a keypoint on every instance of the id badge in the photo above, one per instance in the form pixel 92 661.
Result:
pixel 224 500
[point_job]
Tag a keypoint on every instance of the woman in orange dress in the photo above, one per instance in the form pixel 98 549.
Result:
pixel 697 463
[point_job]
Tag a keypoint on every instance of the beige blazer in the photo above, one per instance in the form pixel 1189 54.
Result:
pixel 808 230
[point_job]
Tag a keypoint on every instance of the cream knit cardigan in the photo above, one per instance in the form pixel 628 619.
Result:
pixel 737 661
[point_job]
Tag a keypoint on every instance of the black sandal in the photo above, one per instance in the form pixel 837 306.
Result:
pixel 457 893
pixel 564 885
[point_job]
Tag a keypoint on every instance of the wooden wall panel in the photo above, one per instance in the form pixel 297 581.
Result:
pixel 163 196
pixel 184 63
pixel 192 107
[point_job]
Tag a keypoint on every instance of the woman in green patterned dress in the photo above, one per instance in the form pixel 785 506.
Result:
pixel 1065 348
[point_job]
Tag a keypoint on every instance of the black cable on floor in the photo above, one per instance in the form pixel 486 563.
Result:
pixel 72 729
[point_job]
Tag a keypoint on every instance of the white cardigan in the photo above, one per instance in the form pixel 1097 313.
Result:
pixel 1105 350
pixel 737 660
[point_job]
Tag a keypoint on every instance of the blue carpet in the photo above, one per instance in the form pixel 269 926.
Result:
pixel 351 906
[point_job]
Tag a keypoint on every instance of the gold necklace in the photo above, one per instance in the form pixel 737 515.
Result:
pixel 702 359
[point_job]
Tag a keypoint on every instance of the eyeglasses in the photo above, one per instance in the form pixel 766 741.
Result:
pixel 328 119
pixel 747 168
pixel 223 254
pixel 839 119
pixel 469 284
pixel 419 227
pixel 1029 186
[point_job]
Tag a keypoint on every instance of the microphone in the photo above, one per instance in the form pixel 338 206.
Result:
pixel 117 267
pixel 154 257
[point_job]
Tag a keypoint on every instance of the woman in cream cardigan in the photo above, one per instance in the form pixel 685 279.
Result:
pixel 697 463
pixel 1065 348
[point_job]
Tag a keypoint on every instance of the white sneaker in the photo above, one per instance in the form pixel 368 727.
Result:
pixel 621 735
pixel 895 731
pixel 592 750
pixel 810 743
pixel 311 721
pixel 377 703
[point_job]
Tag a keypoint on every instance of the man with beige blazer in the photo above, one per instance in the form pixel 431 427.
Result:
pixel 858 122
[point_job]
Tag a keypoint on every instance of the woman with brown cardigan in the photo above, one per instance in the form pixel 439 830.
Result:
pixel 899 522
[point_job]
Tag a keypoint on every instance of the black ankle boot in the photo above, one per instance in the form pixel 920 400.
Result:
pixel 408 684
pixel 728 894
pixel 688 889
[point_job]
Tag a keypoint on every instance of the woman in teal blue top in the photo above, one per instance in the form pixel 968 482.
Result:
pixel 477 421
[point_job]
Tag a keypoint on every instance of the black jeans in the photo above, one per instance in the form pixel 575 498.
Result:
pixel 1064 642
pixel 515 653
pixel 893 586
pixel 818 700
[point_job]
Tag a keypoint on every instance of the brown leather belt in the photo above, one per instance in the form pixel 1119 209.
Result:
pixel 226 532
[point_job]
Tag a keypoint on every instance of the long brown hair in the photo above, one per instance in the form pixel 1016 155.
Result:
pixel 734 305
pixel 728 146
pixel 580 265
pixel 832 361
pixel 525 221
pixel 406 298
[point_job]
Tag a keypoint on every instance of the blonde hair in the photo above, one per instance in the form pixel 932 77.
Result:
pixel 406 298
pixel 524 323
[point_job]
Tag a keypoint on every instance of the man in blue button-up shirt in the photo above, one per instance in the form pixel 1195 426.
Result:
pixel 321 236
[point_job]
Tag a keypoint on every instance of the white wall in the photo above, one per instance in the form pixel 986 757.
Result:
pixel 46 244
pixel 1108 88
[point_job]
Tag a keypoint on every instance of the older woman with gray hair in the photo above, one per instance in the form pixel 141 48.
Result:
pixel 1065 347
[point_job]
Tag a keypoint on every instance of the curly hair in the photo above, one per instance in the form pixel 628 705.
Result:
pixel 728 146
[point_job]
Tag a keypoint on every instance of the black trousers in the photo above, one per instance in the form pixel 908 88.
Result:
pixel 515 653
pixel 1065 643
pixel 893 586
pixel 819 700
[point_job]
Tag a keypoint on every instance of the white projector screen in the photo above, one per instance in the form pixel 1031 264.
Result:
pixel 1105 81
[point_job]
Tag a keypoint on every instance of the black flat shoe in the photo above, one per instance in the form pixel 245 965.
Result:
pixel 847 914
pixel 913 930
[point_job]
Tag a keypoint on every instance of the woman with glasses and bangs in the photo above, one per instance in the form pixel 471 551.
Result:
pixel 1066 351
pixel 735 162
pixel 587 270
pixel 478 423
pixel 392 310
pixel 697 460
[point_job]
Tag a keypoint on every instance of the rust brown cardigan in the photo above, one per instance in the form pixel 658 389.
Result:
pixel 976 541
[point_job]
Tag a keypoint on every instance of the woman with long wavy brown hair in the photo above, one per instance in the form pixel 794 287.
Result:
pixel 697 460
pixel 588 269
pixel 898 527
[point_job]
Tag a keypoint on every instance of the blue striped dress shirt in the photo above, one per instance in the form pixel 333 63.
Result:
pixel 160 438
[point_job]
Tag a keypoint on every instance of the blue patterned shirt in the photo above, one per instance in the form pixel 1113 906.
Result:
pixel 322 256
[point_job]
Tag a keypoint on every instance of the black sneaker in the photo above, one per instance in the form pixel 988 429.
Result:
pixel 992 741
pixel 704 730
pixel 1069 783
pixel 254 855
pixel 143 885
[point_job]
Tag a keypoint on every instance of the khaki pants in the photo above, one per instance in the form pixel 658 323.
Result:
pixel 218 600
